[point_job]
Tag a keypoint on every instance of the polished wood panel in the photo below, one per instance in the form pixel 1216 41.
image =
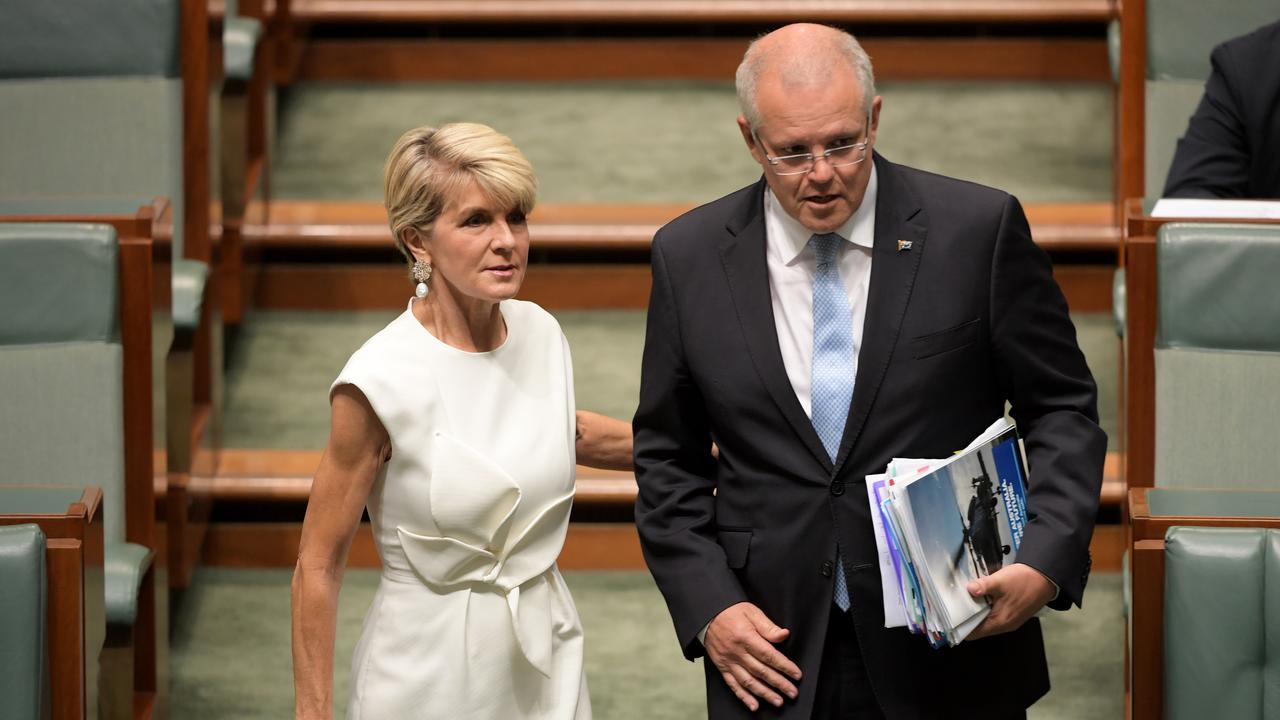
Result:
pixel 588 546
pixel 1131 103
pixel 300 225
pixel 702 11
pixel 711 59
pixel 195 128
pixel 285 476
pixel 1087 287
pixel 558 286
pixel 1139 391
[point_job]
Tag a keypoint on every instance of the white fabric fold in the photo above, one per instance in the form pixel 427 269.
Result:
pixel 474 503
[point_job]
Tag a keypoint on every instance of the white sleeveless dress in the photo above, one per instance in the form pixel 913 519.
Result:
pixel 471 619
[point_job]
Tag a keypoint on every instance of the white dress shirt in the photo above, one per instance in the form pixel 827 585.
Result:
pixel 792 265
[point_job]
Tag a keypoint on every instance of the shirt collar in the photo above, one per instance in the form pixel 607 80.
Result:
pixel 792 237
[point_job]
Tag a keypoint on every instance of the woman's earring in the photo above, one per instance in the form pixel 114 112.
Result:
pixel 421 273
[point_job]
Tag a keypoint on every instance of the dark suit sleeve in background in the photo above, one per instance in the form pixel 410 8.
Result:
pixel 1054 401
pixel 1231 148
pixel 1212 157
pixel 675 507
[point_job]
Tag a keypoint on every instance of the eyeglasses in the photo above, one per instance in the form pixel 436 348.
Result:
pixel 801 163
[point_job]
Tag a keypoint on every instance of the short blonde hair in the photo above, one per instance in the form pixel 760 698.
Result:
pixel 428 166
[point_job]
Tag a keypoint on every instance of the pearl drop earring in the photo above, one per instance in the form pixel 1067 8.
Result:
pixel 421 273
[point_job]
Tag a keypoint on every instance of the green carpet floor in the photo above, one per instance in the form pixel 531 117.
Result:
pixel 230 657
pixel 279 373
pixel 643 142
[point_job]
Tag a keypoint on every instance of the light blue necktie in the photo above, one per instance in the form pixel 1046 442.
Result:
pixel 834 365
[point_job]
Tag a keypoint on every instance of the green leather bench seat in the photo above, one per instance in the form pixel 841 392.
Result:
pixel 1217 355
pixel 23 658
pixel 61 364
pixel 1222 623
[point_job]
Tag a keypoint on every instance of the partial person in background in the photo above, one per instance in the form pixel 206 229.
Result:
pixel 1232 145
pixel 455 426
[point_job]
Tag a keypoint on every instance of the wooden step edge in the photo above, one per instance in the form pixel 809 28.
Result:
pixel 606 489
pixel 594 487
pixel 570 236
pixel 689 11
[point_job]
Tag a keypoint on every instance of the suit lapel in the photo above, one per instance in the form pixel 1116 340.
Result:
pixel 893 274
pixel 742 253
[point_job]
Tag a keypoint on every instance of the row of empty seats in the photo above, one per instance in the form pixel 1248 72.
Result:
pixel 112 271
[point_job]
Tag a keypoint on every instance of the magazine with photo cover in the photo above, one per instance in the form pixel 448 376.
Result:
pixel 941 524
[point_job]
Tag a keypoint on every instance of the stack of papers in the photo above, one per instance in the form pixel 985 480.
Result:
pixel 943 523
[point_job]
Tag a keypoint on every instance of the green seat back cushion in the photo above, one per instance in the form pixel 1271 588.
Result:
pixel 23 679
pixel 93 138
pixel 1217 355
pixel 62 421
pixel 1221 623
pixel 58 283
pixel 71 38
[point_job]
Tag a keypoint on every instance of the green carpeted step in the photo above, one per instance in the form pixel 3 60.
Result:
pixel 230 656
pixel 279 374
pixel 676 141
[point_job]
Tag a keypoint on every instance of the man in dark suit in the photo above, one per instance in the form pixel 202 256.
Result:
pixel 1232 145
pixel 842 311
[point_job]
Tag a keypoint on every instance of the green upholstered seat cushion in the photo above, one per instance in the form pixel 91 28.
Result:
pixel 1222 623
pixel 124 565
pixel 58 283
pixel 1217 286
pixel 23 679
pixel 240 37
pixel 93 138
pixel 61 422
pixel 88 37
pixel 189 279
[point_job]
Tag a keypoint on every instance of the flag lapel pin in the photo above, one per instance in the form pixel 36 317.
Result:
pixel 904 245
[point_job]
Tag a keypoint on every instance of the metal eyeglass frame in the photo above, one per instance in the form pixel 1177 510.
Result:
pixel 813 159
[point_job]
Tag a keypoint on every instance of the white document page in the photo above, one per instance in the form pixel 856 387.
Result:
pixel 895 615
pixel 1217 209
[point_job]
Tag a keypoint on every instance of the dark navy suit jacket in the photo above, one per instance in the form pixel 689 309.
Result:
pixel 966 318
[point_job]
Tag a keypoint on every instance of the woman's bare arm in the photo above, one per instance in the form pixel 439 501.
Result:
pixel 603 442
pixel 357 446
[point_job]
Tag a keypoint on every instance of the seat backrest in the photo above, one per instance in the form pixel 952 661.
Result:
pixel 1217 355
pixel 24 675
pixel 61 361
pixel 1222 623
pixel 1181 34
pixel 92 101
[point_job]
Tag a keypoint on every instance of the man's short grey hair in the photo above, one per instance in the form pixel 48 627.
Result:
pixel 810 67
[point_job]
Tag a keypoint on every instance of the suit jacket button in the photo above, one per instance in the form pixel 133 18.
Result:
pixel 826 569
pixel 837 488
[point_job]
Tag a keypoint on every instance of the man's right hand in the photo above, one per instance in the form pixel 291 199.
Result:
pixel 739 642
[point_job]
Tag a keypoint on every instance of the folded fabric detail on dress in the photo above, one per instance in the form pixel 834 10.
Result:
pixel 474 503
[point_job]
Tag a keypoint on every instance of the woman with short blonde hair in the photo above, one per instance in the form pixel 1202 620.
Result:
pixel 455 427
